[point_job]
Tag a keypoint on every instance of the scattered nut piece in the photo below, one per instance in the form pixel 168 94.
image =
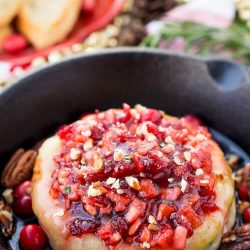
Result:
pixel 116 184
pixel 75 154
pixel 88 145
pixel 96 189
pixel 242 206
pixel 183 185
pixel 146 245
pixel 135 113
pixel 86 133
pixel 171 180
pixel 169 140
pixel 199 171
pixel 200 137
pixel 177 160
pixel 8 195
pixel 83 161
pixel 119 191
pixel 6 220
pixel 187 155
pixel 152 220
pixel 151 137
pixel 133 182
pixel 204 182
pixel 98 162
pixel 110 181
pixel 233 160
pixel 118 155
pixel 153 227
pixel 59 213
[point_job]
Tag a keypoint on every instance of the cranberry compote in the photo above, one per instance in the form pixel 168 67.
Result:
pixel 135 176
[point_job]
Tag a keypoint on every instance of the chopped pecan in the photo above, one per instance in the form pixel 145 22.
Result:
pixel 19 168
pixel 8 195
pixel 237 239
pixel 6 219
pixel 243 175
pixel 233 160
pixel 242 206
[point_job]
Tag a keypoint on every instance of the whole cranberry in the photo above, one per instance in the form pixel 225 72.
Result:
pixel 22 200
pixel 14 43
pixel 32 237
pixel 243 192
pixel 88 6
pixel 246 215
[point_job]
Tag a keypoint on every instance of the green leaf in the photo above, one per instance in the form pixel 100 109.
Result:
pixel 67 189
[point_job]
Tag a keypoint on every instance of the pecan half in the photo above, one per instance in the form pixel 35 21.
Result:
pixel 237 239
pixel 19 168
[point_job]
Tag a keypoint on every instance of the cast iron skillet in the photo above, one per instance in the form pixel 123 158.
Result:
pixel 216 90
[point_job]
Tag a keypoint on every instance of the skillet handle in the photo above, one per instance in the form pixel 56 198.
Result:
pixel 228 75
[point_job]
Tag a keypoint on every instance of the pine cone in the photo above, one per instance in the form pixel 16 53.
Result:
pixel 132 34
pixel 141 13
pixel 149 10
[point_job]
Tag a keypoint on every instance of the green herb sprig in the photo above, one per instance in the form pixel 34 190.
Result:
pixel 204 40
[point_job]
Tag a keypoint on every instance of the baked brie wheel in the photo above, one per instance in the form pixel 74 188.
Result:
pixel 133 178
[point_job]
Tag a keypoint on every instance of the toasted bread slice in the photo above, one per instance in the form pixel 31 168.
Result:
pixel 8 10
pixel 4 32
pixel 46 22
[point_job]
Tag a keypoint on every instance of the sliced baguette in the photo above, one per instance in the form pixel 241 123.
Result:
pixel 8 10
pixel 47 22
pixel 4 32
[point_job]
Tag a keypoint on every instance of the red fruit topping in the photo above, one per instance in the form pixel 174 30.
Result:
pixel 243 191
pixel 192 216
pixel 145 235
pixel 164 210
pixel 246 215
pixel 32 237
pixel 162 238
pixel 194 120
pixel 171 193
pixel 135 226
pixel 22 200
pixel 105 231
pixel 148 189
pixel 89 6
pixel 179 238
pixel 129 175
pixel 14 43
pixel 152 115
pixel 135 210
pixel 111 232
pixel 121 202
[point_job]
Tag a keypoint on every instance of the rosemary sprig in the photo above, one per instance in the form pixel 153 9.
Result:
pixel 205 40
